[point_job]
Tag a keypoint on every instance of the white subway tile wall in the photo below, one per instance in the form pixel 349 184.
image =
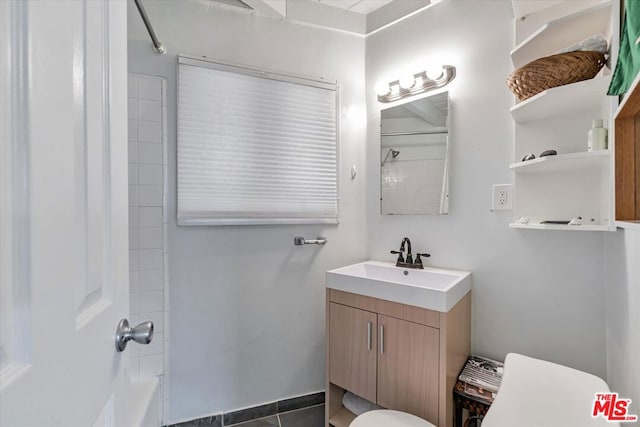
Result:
pixel 148 278
pixel 412 186
pixel 149 195
pixel 149 131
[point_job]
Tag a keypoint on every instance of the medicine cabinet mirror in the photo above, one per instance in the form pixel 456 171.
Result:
pixel 414 157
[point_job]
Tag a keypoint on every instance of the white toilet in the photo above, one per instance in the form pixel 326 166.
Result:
pixel 389 418
pixel 537 393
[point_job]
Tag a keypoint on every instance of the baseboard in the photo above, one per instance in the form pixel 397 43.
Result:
pixel 255 412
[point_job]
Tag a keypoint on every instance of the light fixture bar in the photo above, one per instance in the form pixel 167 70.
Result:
pixel 422 83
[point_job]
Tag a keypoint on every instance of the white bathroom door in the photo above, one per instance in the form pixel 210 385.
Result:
pixel 63 212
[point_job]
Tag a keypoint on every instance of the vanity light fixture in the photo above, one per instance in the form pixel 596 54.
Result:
pixel 423 81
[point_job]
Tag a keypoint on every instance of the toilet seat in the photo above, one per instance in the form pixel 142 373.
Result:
pixel 537 393
pixel 389 418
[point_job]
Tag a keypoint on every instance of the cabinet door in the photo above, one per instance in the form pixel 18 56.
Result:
pixel 408 363
pixel 352 350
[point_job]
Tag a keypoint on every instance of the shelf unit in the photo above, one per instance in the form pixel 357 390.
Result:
pixel 562 227
pixel 562 32
pixel 558 100
pixel 574 183
pixel 522 8
pixel 563 162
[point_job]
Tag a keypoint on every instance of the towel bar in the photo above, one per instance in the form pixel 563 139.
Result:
pixel 298 241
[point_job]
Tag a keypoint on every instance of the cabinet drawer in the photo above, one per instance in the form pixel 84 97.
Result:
pixel 388 308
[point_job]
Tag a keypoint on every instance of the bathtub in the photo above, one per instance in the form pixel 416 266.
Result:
pixel 144 406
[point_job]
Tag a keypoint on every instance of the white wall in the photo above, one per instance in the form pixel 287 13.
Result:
pixel 623 315
pixel 247 307
pixel 534 292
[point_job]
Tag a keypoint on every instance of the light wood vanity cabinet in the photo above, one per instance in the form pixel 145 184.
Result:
pixel 408 367
pixel 399 356
pixel 352 360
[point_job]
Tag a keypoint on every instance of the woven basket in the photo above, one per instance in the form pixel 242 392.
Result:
pixel 554 70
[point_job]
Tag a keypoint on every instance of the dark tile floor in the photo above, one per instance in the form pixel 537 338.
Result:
pixel 312 416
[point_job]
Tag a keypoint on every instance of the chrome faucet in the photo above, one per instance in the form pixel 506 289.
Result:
pixel 408 261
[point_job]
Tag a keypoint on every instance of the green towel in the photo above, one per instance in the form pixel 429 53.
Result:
pixel 628 63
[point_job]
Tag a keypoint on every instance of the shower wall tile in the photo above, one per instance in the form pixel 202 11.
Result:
pixel 149 195
pixel 150 89
pixel 149 152
pixel 148 276
pixel 155 346
pixel 149 216
pixel 133 238
pixel 151 365
pixel 149 174
pixel 134 281
pixel 132 82
pixel 151 259
pixel 134 348
pixel 133 174
pixel 150 238
pixel 157 317
pixel 134 303
pixel 134 260
pixel 133 130
pixel 132 108
pixel 149 110
pixel 151 301
pixel 133 152
pixel 133 195
pixel 134 215
pixel 134 365
pixel 148 131
pixel 166 331
pixel 151 280
pixel 166 303
pixel 412 186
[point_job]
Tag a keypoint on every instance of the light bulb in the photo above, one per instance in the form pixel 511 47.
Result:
pixel 382 89
pixel 434 72
pixel 407 82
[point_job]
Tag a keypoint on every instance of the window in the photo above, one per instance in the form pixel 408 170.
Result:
pixel 255 147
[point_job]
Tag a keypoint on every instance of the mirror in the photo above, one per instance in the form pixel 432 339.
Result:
pixel 414 160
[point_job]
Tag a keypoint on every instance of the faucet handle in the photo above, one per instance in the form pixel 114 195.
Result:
pixel 400 257
pixel 418 260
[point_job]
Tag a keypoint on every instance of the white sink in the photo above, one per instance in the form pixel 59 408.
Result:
pixel 432 288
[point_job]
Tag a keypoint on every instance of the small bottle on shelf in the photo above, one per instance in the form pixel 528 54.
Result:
pixel 597 139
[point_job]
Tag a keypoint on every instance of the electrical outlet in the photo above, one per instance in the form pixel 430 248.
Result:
pixel 502 197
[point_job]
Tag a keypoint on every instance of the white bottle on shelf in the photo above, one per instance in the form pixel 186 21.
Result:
pixel 597 139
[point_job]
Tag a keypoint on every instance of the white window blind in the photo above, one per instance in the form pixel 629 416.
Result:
pixel 254 147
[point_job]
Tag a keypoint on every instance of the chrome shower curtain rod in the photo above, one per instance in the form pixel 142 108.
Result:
pixel 157 46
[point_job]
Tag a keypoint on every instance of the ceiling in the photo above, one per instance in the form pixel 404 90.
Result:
pixel 356 16
pixel 358 6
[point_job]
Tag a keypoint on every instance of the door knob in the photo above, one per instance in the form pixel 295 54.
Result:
pixel 142 334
